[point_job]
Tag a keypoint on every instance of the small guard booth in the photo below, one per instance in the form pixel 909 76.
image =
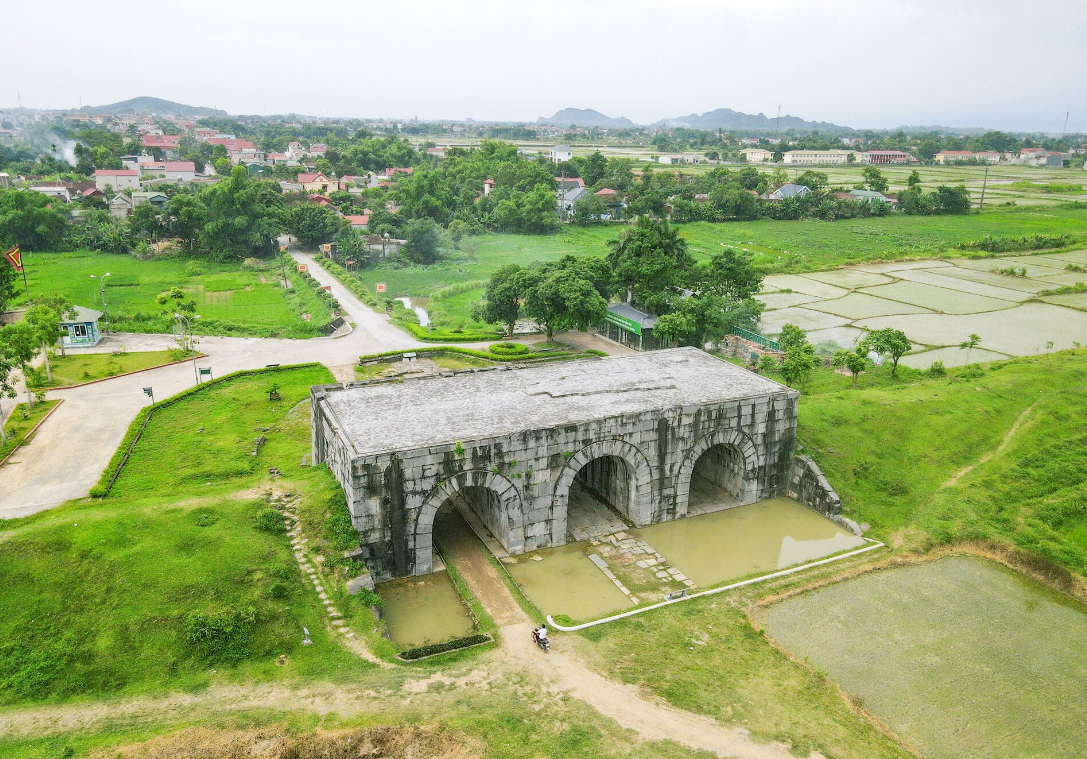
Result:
pixel 81 330
pixel 631 327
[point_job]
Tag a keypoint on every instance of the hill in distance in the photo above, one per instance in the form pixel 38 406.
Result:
pixel 586 117
pixel 151 107
pixel 722 118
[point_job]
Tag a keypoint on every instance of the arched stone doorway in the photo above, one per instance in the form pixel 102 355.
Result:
pixel 613 471
pixel 491 497
pixel 721 469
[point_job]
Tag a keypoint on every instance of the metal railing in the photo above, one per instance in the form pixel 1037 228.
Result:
pixel 765 342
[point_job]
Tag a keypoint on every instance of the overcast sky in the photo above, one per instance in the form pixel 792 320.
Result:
pixel 1005 64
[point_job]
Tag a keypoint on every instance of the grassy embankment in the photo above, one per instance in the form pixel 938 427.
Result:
pixel 777 246
pixel 230 299
pixel 77 369
pixel 21 422
pixel 889 447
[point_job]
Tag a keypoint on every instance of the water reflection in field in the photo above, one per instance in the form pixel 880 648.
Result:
pixel 425 609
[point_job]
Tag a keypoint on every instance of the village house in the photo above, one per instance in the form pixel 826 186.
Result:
pixel 318 149
pixel 315 182
pixel 570 197
pixel 488 185
pixel 169 144
pixel 359 221
pixel 156 199
pixel 438 153
pixel 118 179
pixel 171 171
pixel 80 329
pixel 789 190
pixel 121 206
pixel 569 183
pixel 560 153
pixel 956 156
pixel 757 155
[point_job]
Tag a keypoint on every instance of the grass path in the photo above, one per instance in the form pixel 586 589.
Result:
pixel 1019 420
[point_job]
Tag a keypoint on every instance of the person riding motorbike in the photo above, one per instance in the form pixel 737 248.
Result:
pixel 539 636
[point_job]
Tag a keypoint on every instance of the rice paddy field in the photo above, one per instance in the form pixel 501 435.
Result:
pixel 229 298
pixel 961 657
pixel 939 304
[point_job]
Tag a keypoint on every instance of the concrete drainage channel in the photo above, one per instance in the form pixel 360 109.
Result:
pixel 873 544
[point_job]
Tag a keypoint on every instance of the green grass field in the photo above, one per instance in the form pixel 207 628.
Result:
pixel 777 246
pixel 961 657
pixel 76 369
pixel 229 299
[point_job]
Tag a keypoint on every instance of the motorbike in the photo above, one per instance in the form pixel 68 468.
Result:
pixel 543 643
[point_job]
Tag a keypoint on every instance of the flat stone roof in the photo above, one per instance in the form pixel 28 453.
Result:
pixel 418 413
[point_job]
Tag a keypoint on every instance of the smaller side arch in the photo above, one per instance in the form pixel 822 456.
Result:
pixel 641 506
pixel 510 526
pixel 730 437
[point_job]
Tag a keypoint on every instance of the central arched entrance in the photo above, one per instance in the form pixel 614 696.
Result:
pixel 604 488
pixel 719 472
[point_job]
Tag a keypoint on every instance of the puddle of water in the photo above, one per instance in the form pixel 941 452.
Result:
pixel 761 537
pixel 425 609
pixel 564 581
pixel 418 305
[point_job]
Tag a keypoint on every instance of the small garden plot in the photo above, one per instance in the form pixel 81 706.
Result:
pixel 804 285
pixel 849 278
pixel 1005 281
pixel 1068 279
pixel 565 581
pixel 1063 259
pixel 762 537
pixel 1076 300
pixel 843 337
pixel 861 306
pixel 1020 331
pixel 423 610
pixel 937 279
pixel 961 657
pixel 1033 266
pixel 895 266
pixel 951 357
pixel 785 300
pixel 938 298
pixel 79 368
pixel 772 321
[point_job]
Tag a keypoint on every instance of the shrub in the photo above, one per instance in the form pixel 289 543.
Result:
pixel 203 517
pixel 449 645
pixel 269 520
pixel 252 264
pixel 508 349
pixel 937 369
pixel 194 269
pixel 222 634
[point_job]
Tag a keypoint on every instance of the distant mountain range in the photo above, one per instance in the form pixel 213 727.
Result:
pixel 586 117
pixel 151 106
pixel 722 118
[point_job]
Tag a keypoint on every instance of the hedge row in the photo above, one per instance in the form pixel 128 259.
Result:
pixel 120 456
pixel 531 356
pixel 449 645
pixel 351 283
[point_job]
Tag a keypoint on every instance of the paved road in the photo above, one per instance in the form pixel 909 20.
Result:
pixel 73 447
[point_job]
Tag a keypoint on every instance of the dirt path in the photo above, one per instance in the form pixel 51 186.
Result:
pixel 652 720
pixel 1019 420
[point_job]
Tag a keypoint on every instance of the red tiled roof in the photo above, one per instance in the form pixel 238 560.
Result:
pixel 359 220
pixel 160 140
pixel 607 192
pixel 307 178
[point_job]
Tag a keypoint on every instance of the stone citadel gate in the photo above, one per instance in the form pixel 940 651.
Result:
pixel 635 431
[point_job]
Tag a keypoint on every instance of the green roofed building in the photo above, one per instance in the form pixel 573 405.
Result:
pixel 631 327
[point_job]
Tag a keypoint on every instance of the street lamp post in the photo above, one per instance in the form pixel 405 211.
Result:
pixel 183 322
pixel 102 291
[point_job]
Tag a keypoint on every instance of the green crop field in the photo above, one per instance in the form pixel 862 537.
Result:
pixel 777 246
pixel 964 659
pixel 229 299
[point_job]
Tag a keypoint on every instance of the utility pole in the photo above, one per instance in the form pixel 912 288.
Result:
pixel 984 182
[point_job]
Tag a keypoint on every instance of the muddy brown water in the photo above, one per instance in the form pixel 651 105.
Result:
pixel 563 581
pixel 760 537
pixel 423 610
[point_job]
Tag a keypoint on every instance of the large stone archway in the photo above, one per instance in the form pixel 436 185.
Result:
pixel 641 495
pixel 505 519
pixel 731 438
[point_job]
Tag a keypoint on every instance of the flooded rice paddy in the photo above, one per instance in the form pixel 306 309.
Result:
pixel 419 306
pixel 423 610
pixel 938 304
pixel 762 537
pixel 961 657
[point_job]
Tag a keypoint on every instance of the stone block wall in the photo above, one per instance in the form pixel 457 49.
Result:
pixel 393 497
pixel 808 486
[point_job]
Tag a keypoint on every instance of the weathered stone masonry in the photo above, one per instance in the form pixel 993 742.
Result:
pixel 512 442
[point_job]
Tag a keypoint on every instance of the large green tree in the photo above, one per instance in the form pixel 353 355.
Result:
pixel 424 240
pixel 29 219
pixel 652 262
pixel 890 342
pixel 313 223
pixel 20 342
pixel 562 298
pixel 502 300
pixel 46 323
pixel 244 217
